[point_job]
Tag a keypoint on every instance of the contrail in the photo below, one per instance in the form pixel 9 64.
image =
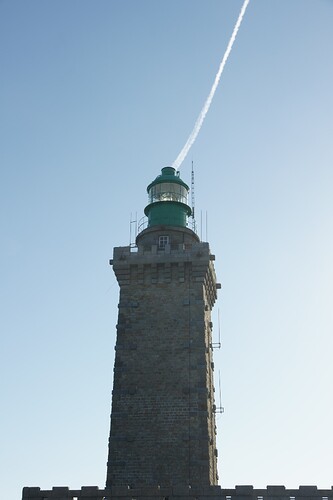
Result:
pixel 193 135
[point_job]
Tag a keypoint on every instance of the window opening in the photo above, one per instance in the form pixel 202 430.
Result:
pixel 163 241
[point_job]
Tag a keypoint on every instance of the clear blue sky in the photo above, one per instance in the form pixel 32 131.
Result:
pixel 98 96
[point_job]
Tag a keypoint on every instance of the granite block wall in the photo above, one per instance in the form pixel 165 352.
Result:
pixel 163 420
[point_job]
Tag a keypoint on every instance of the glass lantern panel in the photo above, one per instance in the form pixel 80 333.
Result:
pixel 168 191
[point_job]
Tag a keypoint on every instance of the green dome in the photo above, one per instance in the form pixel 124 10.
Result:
pixel 169 174
pixel 167 196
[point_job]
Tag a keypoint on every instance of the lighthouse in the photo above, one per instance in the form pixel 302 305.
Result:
pixel 162 441
pixel 163 413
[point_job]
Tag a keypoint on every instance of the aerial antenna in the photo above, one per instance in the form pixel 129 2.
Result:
pixel 217 345
pixel 133 229
pixel 220 408
pixel 193 199
pixel 206 225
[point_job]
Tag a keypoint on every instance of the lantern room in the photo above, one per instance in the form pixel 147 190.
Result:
pixel 167 197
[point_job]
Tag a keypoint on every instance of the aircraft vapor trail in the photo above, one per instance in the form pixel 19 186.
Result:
pixel 193 135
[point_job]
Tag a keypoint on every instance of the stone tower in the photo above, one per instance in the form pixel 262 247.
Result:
pixel 162 438
pixel 163 413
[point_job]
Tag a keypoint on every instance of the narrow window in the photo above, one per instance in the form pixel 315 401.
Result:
pixel 163 241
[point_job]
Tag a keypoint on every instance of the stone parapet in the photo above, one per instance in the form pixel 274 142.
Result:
pixel 160 266
pixel 179 493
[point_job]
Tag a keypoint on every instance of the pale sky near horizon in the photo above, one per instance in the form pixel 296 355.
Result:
pixel 97 97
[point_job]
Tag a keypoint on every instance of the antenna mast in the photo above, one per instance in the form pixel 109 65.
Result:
pixel 193 200
pixel 133 231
